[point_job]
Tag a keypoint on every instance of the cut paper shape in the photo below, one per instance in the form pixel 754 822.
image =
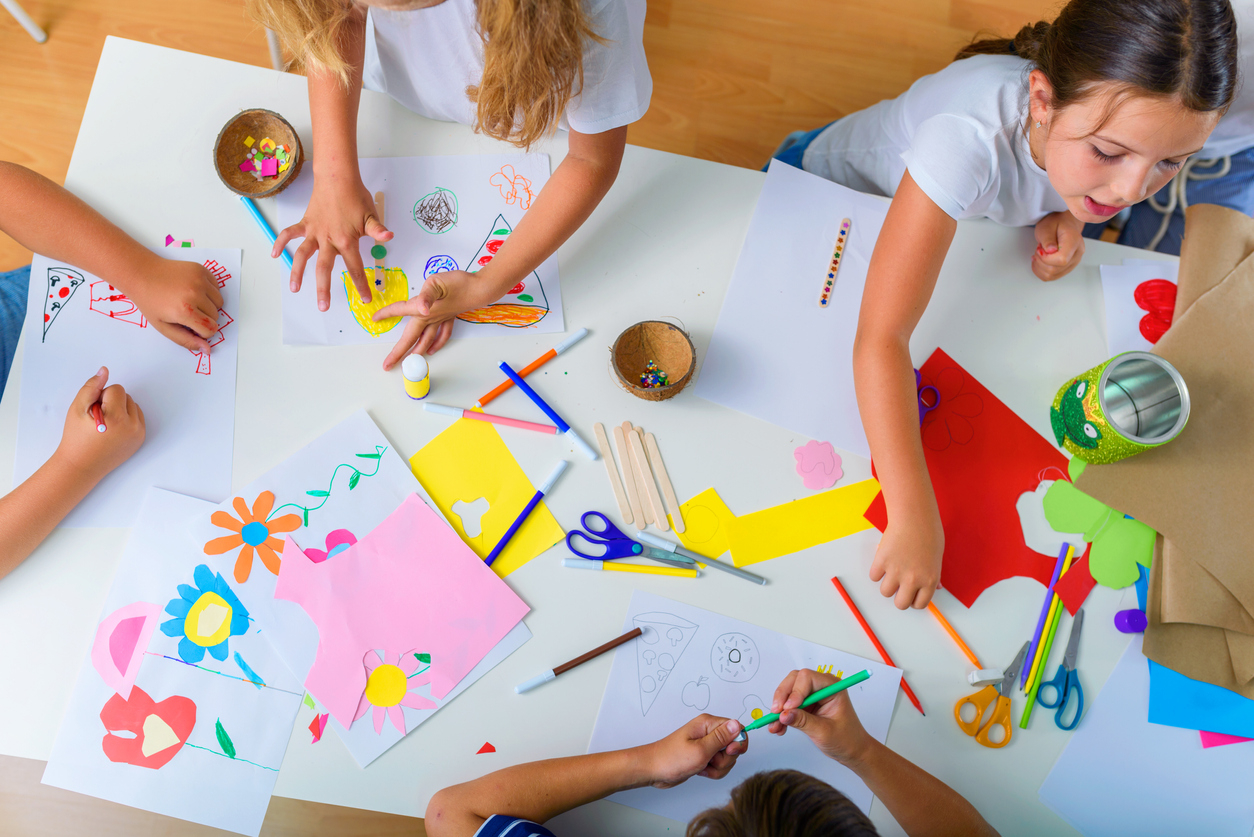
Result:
pixel 706 521
pixel 254 531
pixel 62 283
pixel 754 708
pixel 391 685
pixel 981 457
pixel 337 541
pixel 438 264
pixel 801 524
pixel 108 300
pixel 734 658
pixel 436 212
pixel 1119 543
pixel 318 726
pixel 409 582
pixel 818 463
pixel 224 740
pixel 1037 533
pixel 663 640
pixel 1179 701
pixel 486 748
pixel 526 303
pixel 1220 739
pixel 157 730
pixel 205 616
pixel 121 638
pixel 514 188
pixel 469 459
pixel 696 694
pixel 1076 584
pixel 1158 297
pixel 253 677
pixel 308 701
pixel 471 515
pixel 395 289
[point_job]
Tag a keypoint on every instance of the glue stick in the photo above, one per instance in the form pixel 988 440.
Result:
pixel 417 377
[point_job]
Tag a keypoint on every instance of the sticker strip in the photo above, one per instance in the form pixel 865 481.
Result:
pixel 829 281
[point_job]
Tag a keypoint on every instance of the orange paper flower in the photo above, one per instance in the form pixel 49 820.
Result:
pixel 252 532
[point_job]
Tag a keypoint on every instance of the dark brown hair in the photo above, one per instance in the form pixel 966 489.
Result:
pixel 784 803
pixel 1177 48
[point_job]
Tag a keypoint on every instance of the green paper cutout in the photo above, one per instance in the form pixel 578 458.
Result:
pixel 1119 543
pixel 308 701
pixel 224 740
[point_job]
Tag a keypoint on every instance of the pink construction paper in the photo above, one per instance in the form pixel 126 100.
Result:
pixel 269 167
pixel 410 584
pixel 121 639
pixel 247 165
pixel 818 464
pixel 1219 739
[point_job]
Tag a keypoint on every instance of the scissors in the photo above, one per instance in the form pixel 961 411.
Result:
pixel 924 406
pixel 998 697
pixel 1066 682
pixel 615 544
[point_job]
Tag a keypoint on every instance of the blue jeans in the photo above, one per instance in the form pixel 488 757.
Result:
pixel 1234 190
pixel 800 142
pixel 13 291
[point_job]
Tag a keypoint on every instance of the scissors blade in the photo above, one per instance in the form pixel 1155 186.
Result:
pixel 672 558
pixel 1012 672
pixel 1073 644
pixel 670 562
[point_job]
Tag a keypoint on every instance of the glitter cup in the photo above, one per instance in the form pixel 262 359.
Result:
pixel 1131 403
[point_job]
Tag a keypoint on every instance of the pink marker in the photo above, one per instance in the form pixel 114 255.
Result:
pixel 458 412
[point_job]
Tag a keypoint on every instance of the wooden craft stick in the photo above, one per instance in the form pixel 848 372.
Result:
pixel 633 496
pixel 638 478
pixel 650 485
pixel 668 490
pixel 603 442
pixel 380 272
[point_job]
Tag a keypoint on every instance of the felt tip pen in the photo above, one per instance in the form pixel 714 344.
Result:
pixel 661 543
pixel 458 412
pixel 614 566
pixel 97 416
pixel 533 366
pixel 526 512
pixel 562 427
pixel 821 695
pixel 265 228
pixel 552 673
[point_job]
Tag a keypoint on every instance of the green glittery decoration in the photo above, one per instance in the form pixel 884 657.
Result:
pixel 378 251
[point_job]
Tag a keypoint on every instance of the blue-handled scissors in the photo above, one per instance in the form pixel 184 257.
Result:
pixel 1066 682
pixel 615 544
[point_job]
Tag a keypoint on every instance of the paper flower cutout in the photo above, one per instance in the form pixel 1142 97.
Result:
pixel 389 686
pixel 1119 543
pixel 155 732
pixel 818 463
pixel 253 532
pixel 205 616
pixel 949 422
pixel 337 541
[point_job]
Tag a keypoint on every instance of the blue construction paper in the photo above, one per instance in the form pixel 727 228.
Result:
pixel 1179 701
pixel 1142 586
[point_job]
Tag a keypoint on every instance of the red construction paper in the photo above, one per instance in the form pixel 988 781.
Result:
pixel 157 730
pixel 486 748
pixel 981 457
pixel 318 726
pixel 1076 583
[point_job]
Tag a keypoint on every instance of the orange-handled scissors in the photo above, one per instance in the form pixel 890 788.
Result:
pixel 998 697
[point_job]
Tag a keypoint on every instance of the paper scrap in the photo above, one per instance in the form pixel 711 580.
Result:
pixel 1220 739
pixel 486 748
pixel 818 465
pixel 1179 701
pixel 1075 584
pixel 801 524
pixel 318 726
pixel 706 519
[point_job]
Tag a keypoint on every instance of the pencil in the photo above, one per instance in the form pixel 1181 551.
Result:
pixel 1054 601
pixel 534 365
pixel 580 660
pixel 1045 606
pixel 844 594
pixel 949 629
pixel 1034 684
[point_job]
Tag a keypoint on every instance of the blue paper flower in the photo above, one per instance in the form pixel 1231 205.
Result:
pixel 205 616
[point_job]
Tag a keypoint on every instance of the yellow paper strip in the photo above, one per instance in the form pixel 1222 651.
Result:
pixel 801 524
pixel 706 519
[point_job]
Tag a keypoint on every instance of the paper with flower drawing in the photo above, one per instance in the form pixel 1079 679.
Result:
pixel 690 661
pixel 76 323
pixel 182 707
pixel 446 213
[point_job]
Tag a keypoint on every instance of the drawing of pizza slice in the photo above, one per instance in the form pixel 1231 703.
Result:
pixel 663 638
pixel 62 283
pixel 526 303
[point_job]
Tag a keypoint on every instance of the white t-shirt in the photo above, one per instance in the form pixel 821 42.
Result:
pixel 960 132
pixel 1235 132
pixel 426 58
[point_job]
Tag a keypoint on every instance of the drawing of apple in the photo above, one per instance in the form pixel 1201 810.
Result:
pixel 696 694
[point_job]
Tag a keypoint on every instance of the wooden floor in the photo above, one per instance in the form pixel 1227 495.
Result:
pixel 730 79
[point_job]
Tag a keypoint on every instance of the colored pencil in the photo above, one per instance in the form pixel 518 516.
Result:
pixel 1034 684
pixel 534 365
pixel 526 512
pixel 1045 606
pixel 459 412
pixel 1037 661
pixel 819 696
pixel 857 614
pixel 949 629
pixel 580 660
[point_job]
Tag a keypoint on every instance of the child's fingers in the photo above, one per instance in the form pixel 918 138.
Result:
pixel 783 690
pixel 322 275
pixel 183 336
pixel 432 291
pixel 442 335
pixel 376 230
pixel 905 595
pixel 413 330
pixel 299 259
pixel 357 272
pixel 922 597
pixel 90 392
pixel 297 230
pixel 394 309
pixel 213 291
pixel 113 401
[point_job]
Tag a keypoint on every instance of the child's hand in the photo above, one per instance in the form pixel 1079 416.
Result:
pixel 705 746
pixel 1059 245
pixel 908 560
pixel 431 313
pixel 84 448
pixel 180 299
pixel 340 213
pixel 832 725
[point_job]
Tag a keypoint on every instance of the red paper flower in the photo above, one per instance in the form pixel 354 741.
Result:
pixel 155 732
pixel 949 422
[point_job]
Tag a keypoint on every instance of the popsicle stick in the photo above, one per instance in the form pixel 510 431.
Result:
pixel 645 506
pixel 603 442
pixel 378 263
pixel 668 490
pixel 629 481
pixel 650 485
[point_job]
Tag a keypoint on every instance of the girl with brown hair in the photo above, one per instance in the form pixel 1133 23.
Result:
pixel 1066 123
pixel 515 69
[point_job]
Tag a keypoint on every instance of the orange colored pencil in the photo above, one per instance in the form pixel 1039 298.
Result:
pixel 949 629
pixel 857 614
pixel 533 366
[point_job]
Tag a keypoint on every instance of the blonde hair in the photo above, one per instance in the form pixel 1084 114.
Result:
pixel 532 51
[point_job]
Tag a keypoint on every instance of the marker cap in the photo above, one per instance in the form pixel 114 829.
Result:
pixel 533 682
pixel 589 451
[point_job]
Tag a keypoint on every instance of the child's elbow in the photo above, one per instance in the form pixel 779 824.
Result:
pixel 436 817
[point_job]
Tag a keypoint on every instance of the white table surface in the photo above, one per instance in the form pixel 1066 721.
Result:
pixel 662 244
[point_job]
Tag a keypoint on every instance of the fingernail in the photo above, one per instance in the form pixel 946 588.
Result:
pixel 100 373
pixel 322 305
pixel 292 285
pixel 733 725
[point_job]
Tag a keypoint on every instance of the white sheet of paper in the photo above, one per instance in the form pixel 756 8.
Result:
pixel 1122 775
pixel 201 783
pixel 188 400
pixel 775 353
pixel 690 661
pixel 1123 314
pixel 484 189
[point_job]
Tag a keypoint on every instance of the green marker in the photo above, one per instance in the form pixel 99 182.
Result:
pixel 817 697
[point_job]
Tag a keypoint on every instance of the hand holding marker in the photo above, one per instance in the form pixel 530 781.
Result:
pixel 562 427
pixel 818 697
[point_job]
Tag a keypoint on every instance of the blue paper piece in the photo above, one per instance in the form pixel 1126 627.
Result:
pixel 1142 586
pixel 1179 701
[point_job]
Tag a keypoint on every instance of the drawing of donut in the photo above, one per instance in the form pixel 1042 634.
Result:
pixel 734 658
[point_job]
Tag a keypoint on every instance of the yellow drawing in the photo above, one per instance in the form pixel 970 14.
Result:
pixel 395 289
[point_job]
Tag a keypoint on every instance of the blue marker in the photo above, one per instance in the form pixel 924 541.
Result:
pixel 526 512
pixel 265 227
pixel 562 427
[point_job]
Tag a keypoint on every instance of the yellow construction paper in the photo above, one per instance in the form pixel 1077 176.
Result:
pixel 469 461
pixel 706 519
pixel 801 524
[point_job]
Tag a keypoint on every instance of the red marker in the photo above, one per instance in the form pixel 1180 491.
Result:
pixel 97 416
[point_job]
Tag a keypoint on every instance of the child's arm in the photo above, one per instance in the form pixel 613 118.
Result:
pixel 33 509
pixel 541 790
pixel 577 186
pixel 907 259
pixel 921 803
pixel 179 298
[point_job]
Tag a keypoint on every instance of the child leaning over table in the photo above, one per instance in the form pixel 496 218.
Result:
pixel 776 803
pixel 180 300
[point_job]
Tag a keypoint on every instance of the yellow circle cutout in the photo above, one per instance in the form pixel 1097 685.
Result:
pixel 208 623
pixel 386 686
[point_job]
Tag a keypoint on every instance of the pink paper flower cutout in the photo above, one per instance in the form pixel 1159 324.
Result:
pixel 818 464
pixel 337 541
pixel 389 686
